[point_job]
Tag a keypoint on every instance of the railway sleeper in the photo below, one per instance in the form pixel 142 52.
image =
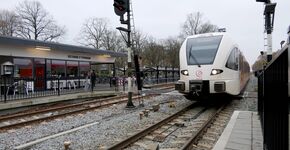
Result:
pixel 207 138
pixel 215 130
pixel 140 144
pixel 160 137
pixel 6 123
pixel 206 142
pixel 213 133
pixel 185 135
pixel 170 149
pixel 185 118
pixel 204 145
pixel 219 124
pixel 223 117
pixel 149 137
pixel 180 124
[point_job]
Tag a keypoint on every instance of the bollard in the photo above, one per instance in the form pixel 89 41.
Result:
pixel 145 112
pixel 156 107
pixel 141 114
pixel 66 145
pixel 101 147
pixel 172 105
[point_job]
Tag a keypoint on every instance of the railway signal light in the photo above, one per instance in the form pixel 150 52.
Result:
pixel 265 1
pixel 121 7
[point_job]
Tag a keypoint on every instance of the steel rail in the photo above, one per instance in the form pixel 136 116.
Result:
pixel 148 130
pixel 196 135
pixel 65 113
pixel 7 117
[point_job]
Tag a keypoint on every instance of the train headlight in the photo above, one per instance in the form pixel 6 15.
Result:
pixel 184 72
pixel 216 71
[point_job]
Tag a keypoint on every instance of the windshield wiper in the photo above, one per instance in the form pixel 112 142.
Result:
pixel 193 58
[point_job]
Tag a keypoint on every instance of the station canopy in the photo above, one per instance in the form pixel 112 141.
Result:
pixel 14 41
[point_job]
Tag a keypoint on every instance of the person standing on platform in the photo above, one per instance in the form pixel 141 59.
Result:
pixel 93 79
pixel 87 81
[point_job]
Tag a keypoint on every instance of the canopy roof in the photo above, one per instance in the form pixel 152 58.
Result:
pixel 14 41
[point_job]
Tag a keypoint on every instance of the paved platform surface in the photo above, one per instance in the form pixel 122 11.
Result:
pixel 51 99
pixel 104 90
pixel 243 132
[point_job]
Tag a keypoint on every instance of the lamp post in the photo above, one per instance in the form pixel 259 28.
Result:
pixel 269 14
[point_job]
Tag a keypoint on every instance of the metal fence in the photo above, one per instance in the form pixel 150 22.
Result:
pixel 121 83
pixel 159 80
pixel 12 88
pixel 273 99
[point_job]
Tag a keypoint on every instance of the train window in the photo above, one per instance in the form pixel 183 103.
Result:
pixel 233 60
pixel 202 50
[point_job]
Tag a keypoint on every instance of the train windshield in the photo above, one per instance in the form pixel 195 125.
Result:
pixel 202 50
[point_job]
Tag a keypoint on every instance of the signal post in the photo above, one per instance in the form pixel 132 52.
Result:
pixel 121 7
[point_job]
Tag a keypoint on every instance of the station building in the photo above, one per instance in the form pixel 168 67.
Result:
pixel 23 58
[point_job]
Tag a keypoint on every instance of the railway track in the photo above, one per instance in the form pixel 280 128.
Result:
pixel 181 130
pixel 20 119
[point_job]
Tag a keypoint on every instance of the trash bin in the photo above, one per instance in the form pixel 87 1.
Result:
pixel 114 81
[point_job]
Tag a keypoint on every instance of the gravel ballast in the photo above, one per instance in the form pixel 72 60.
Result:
pixel 111 124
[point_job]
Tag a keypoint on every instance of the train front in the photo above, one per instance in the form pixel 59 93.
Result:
pixel 197 56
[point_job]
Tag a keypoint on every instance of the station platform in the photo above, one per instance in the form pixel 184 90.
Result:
pixel 52 99
pixel 102 91
pixel 243 132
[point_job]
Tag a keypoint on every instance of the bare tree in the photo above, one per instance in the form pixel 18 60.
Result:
pixel 208 27
pixel 139 41
pixel 8 23
pixel 36 23
pixel 153 54
pixel 93 31
pixel 111 41
pixel 194 24
pixel 172 46
pixel 96 33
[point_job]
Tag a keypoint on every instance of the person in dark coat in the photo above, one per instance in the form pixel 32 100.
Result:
pixel 93 79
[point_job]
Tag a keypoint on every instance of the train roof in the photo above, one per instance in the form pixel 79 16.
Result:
pixel 224 34
pixel 207 34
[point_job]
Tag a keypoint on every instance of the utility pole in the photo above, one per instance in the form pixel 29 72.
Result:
pixel 121 7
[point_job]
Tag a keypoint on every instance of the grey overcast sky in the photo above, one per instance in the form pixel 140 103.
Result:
pixel 243 19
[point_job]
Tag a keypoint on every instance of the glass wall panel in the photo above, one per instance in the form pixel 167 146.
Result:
pixel 84 68
pixel 48 68
pixel 39 73
pixel 72 68
pixel 39 67
pixel 23 67
pixel 57 68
